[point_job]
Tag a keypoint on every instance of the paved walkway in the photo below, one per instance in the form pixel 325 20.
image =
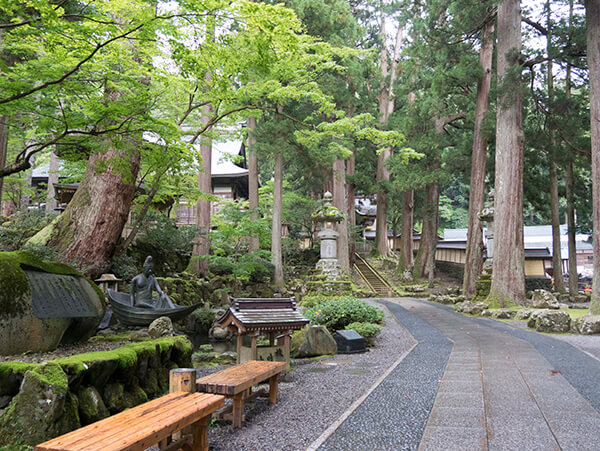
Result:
pixel 477 384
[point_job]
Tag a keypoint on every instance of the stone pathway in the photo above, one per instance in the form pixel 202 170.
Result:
pixel 477 384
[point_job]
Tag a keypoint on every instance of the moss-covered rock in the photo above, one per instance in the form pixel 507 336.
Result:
pixel 68 389
pixel 91 405
pixel 16 309
pixel 43 408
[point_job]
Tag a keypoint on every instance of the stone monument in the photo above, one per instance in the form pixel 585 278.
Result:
pixel 328 215
pixel 44 304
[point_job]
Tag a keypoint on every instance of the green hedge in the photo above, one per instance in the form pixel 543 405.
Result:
pixel 367 330
pixel 339 313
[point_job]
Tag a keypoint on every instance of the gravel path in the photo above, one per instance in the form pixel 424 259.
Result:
pixel 320 391
pixel 395 414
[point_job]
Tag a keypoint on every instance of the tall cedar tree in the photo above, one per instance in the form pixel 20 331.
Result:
pixel 508 277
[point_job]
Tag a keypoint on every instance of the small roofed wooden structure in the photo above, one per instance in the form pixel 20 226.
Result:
pixel 276 318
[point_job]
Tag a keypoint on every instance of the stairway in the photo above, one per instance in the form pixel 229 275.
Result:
pixel 372 277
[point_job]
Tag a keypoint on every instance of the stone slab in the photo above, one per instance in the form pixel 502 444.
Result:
pixel 61 296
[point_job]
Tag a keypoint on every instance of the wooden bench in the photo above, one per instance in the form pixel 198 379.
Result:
pixel 145 425
pixel 237 382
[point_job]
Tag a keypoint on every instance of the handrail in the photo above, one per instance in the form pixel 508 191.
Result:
pixel 364 277
pixel 375 272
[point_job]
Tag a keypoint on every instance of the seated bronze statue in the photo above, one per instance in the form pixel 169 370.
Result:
pixel 142 286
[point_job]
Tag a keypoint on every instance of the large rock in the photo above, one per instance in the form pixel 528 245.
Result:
pixel 524 313
pixel 471 308
pixel 588 325
pixel 161 327
pixel 544 299
pixel 313 341
pixel 43 408
pixel 550 321
pixel 503 314
pixel 23 330
pixel 91 405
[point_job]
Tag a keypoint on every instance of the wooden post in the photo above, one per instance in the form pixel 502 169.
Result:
pixel 253 346
pixel 273 385
pixel 238 410
pixel 239 346
pixel 271 338
pixel 200 434
pixel 182 379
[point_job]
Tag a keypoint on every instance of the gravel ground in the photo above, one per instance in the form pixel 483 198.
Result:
pixel 395 414
pixel 587 343
pixel 320 391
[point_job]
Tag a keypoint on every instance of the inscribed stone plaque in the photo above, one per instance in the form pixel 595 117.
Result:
pixel 61 296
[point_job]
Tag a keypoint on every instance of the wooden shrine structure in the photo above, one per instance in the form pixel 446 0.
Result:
pixel 275 318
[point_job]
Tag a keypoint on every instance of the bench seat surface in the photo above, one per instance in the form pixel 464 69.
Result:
pixel 139 427
pixel 236 379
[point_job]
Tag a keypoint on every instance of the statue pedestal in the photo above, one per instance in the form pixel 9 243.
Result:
pixel 330 268
pixel 328 263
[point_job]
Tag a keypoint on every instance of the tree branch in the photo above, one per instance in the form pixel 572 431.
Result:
pixel 73 70
pixel 539 27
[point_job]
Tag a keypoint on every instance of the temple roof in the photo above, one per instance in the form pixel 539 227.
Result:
pixel 263 314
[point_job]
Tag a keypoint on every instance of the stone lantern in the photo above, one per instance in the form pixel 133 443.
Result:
pixel 487 215
pixel 328 216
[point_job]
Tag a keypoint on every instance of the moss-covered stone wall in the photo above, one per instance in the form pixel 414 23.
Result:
pixel 42 401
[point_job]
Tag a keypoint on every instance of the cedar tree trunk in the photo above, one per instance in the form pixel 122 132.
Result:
pixel 474 257
pixel 386 107
pixel 508 277
pixel 202 240
pixel 339 201
pixel 350 168
pixel 276 257
pixel 253 243
pixel 571 231
pixel 406 236
pixel 592 15
pixel 3 151
pixel 52 179
pixel 557 274
pixel 88 230
pixel 425 260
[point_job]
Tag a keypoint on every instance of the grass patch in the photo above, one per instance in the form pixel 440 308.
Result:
pixel 575 313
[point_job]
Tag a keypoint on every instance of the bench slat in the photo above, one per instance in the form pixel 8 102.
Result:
pixel 239 378
pixel 93 429
pixel 163 421
pixel 139 427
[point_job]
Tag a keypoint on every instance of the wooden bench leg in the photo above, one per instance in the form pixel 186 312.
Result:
pixel 273 386
pixel 238 410
pixel 200 434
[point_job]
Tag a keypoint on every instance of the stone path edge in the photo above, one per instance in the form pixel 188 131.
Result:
pixel 356 404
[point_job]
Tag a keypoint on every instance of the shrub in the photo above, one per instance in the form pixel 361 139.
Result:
pixel 337 314
pixel 367 330
pixel 220 266
pixel 18 228
pixel 313 300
